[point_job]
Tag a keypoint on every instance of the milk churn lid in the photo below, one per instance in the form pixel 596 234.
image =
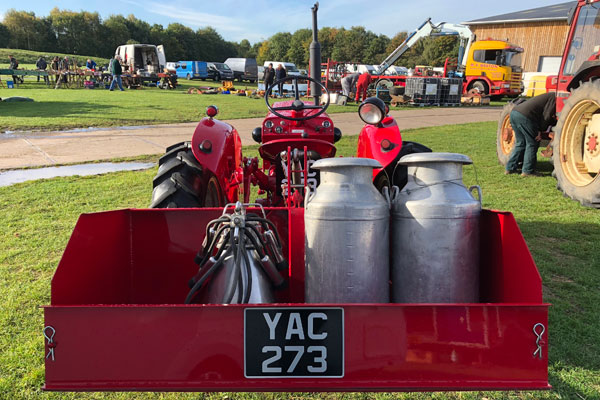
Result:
pixel 417 158
pixel 346 162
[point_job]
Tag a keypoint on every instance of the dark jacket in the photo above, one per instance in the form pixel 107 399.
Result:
pixel 55 64
pixel 14 64
pixel 41 64
pixel 115 67
pixel 540 110
pixel 269 75
pixel 64 64
pixel 280 73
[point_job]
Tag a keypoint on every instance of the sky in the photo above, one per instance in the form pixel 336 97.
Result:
pixel 258 20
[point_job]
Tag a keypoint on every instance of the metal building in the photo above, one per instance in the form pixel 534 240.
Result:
pixel 542 32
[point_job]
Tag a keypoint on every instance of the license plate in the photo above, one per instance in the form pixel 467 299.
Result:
pixel 294 342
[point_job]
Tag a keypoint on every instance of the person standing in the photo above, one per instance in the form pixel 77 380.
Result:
pixel 55 66
pixel 41 65
pixel 268 77
pixel 349 83
pixel 528 120
pixel 280 74
pixel 364 80
pixel 116 71
pixel 14 64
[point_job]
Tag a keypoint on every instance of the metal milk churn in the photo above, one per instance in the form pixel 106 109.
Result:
pixel 435 232
pixel 347 235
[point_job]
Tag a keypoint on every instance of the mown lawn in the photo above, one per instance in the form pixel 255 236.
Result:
pixel 38 218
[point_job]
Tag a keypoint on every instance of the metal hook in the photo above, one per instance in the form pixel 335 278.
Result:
pixel 538 351
pixel 50 339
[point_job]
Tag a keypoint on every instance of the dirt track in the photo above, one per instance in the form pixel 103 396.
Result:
pixel 30 149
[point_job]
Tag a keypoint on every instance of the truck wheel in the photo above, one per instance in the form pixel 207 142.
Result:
pixel 481 86
pixel 505 137
pixel 217 77
pixel 181 181
pixel 576 146
pixel 188 77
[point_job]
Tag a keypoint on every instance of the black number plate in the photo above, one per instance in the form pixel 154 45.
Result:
pixel 294 342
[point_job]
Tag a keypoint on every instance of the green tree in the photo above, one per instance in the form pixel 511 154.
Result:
pixel 438 49
pixel 4 34
pixel 299 50
pixel 138 30
pixel 116 33
pixel 187 39
pixel 279 44
pixel 26 31
pixel 375 52
pixel 77 33
pixel 244 49
pixel 327 40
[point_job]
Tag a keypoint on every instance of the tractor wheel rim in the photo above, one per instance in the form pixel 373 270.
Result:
pixel 508 143
pixel 572 146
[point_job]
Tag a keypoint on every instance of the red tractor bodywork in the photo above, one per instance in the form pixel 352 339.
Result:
pixel 217 147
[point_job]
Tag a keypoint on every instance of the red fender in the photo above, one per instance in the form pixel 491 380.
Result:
pixel 380 142
pixel 218 148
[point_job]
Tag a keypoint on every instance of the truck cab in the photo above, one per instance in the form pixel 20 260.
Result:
pixel 494 68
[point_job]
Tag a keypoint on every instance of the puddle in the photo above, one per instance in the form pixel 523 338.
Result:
pixel 11 177
pixel 17 134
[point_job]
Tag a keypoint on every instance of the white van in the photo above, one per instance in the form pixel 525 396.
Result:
pixel 142 59
pixel 290 68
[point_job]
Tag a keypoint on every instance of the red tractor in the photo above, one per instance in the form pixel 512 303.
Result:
pixel 574 145
pixel 210 171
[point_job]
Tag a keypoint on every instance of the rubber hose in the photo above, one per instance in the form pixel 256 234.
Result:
pixel 198 284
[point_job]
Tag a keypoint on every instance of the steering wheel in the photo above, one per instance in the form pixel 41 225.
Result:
pixel 297 105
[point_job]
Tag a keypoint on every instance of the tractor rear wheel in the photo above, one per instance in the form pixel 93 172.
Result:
pixel 505 137
pixel 181 182
pixel 576 146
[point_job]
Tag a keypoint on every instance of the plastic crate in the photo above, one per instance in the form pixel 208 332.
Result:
pixel 423 90
pixel 451 91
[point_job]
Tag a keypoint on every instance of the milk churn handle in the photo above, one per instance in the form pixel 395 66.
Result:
pixel 309 196
pixel 385 191
pixel 480 195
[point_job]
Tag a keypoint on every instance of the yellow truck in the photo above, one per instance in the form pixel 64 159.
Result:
pixel 494 67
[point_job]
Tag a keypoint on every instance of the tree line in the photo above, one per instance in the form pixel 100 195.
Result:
pixel 87 33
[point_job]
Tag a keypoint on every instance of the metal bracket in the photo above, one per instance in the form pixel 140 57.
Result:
pixel 51 342
pixel 538 334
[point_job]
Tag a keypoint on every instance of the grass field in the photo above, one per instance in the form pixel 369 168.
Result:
pixel 38 218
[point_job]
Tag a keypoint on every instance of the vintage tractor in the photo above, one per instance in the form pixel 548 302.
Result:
pixel 575 141
pixel 198 295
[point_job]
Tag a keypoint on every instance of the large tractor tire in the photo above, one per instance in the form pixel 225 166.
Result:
pixel 181 182
pixel 505 137
pixel 576 146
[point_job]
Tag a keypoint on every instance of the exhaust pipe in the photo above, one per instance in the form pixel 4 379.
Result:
pixel 315 57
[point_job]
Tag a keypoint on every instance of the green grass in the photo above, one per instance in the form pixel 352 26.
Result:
pixel 31 57
pixel 38 218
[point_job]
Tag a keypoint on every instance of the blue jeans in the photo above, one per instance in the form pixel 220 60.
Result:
pixel 526 146
pixel 116 78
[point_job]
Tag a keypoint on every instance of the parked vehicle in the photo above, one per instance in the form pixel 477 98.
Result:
pixel 243 68
pixel 575 143
pixel 260 73
pixel 219 71
pixel 290 68
pixel 192 70
pixel 143 62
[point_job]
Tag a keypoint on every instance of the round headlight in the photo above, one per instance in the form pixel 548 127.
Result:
pixel 326 124
pixel 269 124
pixel 372 110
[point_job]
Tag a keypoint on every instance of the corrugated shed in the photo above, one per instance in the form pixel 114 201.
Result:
pixel 537 38
pixel 549 12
